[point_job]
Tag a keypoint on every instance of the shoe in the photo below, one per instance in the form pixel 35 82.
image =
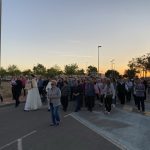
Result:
pixel 100 104
pixel 26 110
pixel 52 124
pixel 113 105
pixel 105 112
pixel 57 123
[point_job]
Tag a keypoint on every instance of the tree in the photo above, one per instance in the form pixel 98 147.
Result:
pixel 71 69
pixel 39 69
pixel 53 71
pixel 3 72
pixel 27 72
pixel 91 70
pixel 112 74
pixel 132 64
pixel 80 72
pixel 13 70
pixel 140 64
pixel 130 73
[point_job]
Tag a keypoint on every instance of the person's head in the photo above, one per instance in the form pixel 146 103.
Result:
pixel 53 83
pixel 65 82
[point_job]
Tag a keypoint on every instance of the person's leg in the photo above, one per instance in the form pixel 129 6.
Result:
pixel 65 103
pixel 138 102
pixel 142 104
pixel 106 104
pixel 1 98
pixel 77 103
pixel 52 114
pixel 135 100
pixel 13 93
pixel 109 103
pixel 57 116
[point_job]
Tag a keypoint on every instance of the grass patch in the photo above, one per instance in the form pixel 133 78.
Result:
pixel 5 89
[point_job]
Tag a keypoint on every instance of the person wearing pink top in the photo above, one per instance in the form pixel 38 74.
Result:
pixel 23 80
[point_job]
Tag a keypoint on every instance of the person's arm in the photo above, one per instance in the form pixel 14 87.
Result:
pixel 113 91
pixel 57 94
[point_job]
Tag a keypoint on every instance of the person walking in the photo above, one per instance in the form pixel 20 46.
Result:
pixel 33 101
pixel 90 94
pixel 65 93
pixel 54 95
pixel 17 91
pixel 140 95
pixel 109 95
pixel 121 90
pixel 76 96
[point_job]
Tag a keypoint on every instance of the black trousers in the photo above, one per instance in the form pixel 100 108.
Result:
pixel 1 98
pixel 108 102
pixel 128 96
pixel 64 102
pixel 121 97
pixel 140 102
pixel 90 102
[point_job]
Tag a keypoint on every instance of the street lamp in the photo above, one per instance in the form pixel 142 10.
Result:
pixel 0 28
pixel 98 58
pixel 112 67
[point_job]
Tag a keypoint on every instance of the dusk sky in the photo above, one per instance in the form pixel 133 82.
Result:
pixel 64 32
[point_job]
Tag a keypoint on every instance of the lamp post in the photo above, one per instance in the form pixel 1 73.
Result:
pixel 112 67
pixel 98 58
pixel 0 28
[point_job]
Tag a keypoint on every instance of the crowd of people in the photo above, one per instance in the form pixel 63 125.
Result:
pixel 82 90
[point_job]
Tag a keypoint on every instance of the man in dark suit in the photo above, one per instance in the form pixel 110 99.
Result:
pixel 17 91
pixel 121 91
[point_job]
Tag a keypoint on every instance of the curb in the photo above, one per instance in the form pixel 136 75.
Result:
pixel 147 113
pixel 128 108
pixel 9 104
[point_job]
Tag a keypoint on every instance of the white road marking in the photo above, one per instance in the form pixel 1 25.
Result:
pixel 19 141
pixel 12 142
pixel 67 115
pixel 96 130
pixel 28 134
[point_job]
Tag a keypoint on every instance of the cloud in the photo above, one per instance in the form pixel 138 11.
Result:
pixel 79 56
pixel 68 55
pixel 74 41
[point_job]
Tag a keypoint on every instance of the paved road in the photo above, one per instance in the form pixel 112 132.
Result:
pixel 35 133
pixel 124 128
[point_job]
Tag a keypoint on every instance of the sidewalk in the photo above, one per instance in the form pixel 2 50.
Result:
pixel 125 129
pixel 130 107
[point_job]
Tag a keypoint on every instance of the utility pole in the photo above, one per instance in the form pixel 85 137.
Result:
pixel 112 67
pixel 98 59
pixel 0 29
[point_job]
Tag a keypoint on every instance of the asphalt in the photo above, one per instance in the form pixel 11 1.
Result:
pixel 125 128
pixel 35 133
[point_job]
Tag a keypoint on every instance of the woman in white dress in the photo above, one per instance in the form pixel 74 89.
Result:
pixel 33 101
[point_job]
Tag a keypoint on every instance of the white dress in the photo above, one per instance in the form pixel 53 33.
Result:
pixel 33 100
